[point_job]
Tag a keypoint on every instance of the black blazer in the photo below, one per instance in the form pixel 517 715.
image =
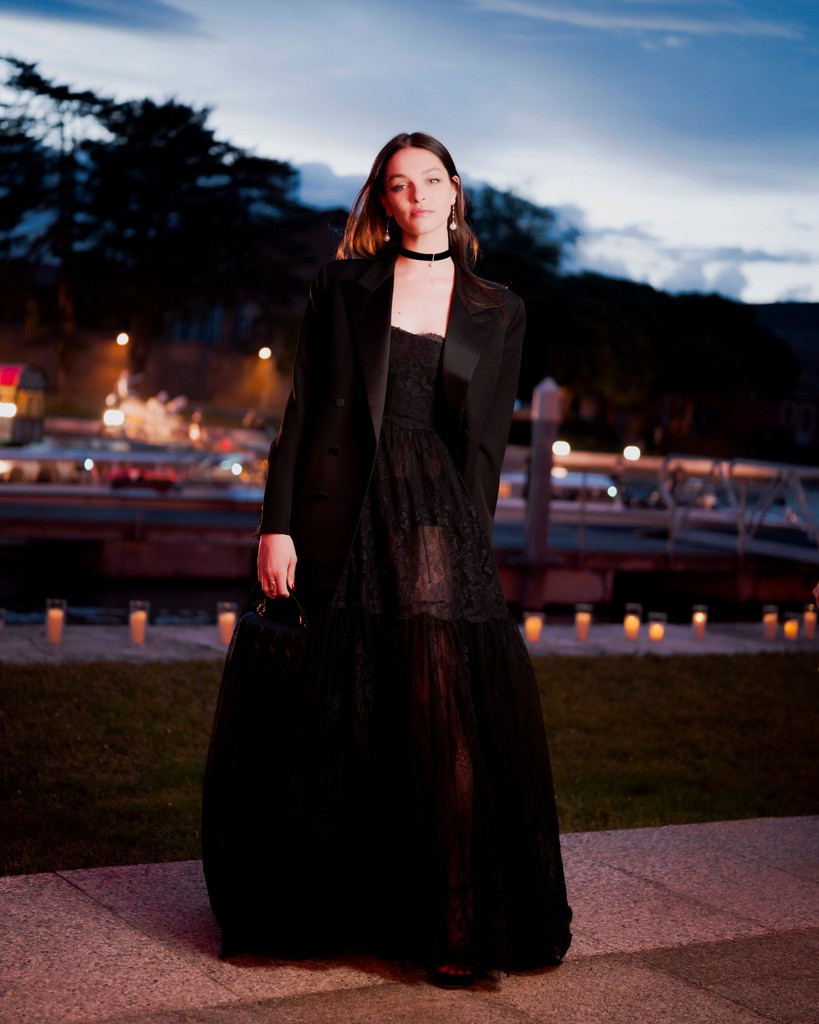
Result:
pixel 322 458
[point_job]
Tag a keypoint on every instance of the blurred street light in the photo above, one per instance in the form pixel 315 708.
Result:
pixel 123 339
pixel 113 417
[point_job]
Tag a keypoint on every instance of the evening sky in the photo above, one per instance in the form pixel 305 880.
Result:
pixel 682 137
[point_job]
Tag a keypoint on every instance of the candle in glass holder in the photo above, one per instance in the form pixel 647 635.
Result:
pixel 631 621
pixel 699 619
pixel 809 621
pixel 791 626
pixel 656 625
pixel 138 620
pixel 770 620
pixel 55 619
pixel 582 621
pixel 533 626
pixel 226 619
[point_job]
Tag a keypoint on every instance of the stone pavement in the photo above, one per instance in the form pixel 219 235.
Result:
pixel 692 924
pixel 714 923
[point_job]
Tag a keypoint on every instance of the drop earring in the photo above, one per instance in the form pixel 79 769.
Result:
pixel 387 230
pixel 452 223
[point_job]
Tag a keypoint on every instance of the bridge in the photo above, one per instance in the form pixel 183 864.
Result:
pixel 737 530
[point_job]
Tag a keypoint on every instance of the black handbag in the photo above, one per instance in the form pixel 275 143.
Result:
pixel 245 772
pixel 270 638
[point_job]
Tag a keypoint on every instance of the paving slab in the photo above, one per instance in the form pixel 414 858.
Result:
pixel 776 975
pixel 764 876
pixel 665 930
pixel 620 990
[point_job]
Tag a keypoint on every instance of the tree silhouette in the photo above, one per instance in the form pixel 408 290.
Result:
pixel 40 224
pixel 178 217
pixel 141 213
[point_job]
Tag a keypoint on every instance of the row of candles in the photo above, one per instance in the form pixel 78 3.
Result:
pixel 138 617
pixel 226 612
pixel 657 621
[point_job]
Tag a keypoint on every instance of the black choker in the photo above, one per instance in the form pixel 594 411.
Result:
pixel 430 257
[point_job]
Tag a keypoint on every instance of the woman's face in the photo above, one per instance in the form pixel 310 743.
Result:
pixel 418 193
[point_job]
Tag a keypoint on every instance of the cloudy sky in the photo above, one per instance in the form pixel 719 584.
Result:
pixel 681 137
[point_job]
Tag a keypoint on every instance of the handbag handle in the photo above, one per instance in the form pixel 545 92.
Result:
pixel 262 605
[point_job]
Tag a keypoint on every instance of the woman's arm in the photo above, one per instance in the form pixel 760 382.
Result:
pixel 276 559
pixel 284 453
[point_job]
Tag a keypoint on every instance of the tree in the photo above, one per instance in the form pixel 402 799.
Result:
pixel 140 213
pixel 42 130
pixel 521 242
pixel 178 217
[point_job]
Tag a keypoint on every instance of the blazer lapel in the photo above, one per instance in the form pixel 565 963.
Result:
pixel 369 306
pixel 467 335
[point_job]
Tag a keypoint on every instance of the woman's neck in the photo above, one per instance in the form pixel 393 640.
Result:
pixel 436 241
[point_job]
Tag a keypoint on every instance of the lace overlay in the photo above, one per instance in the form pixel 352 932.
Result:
pixel 416 811
pixel 420 549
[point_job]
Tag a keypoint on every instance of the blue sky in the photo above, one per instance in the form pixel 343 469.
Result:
pixel 681 137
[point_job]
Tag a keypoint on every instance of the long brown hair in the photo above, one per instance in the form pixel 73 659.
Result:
pixel 364 235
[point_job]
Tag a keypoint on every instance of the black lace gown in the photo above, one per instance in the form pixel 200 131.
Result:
pixel 413 810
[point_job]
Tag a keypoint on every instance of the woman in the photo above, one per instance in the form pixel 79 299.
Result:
pixel 412 808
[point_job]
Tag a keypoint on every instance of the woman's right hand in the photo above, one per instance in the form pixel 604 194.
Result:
pixel 276 564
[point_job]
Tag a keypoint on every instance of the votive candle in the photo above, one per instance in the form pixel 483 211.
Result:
pixel 699 620
pixel 656 626
pixel 582 621
pixel 791 626
pixel 809 621
pixel 770 621
pixel 138 620
pixel 533 626
pixel 631 621
pixel 226 619
pixel 55 619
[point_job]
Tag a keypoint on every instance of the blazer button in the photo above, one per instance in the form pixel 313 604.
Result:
pixel 340 403
pixel 321 496
pixel 334 449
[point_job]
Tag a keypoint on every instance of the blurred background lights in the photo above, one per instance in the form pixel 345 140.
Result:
pixel 265 352
pixel 88 464
pixel 8 410
pixel 123 338
pixel 113 417
pixel 631 453
pixel 561 448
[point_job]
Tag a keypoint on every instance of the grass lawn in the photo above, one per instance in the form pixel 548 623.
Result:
pixel 102 764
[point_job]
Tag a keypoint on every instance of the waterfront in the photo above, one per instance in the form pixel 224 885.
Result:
pixel 745 535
